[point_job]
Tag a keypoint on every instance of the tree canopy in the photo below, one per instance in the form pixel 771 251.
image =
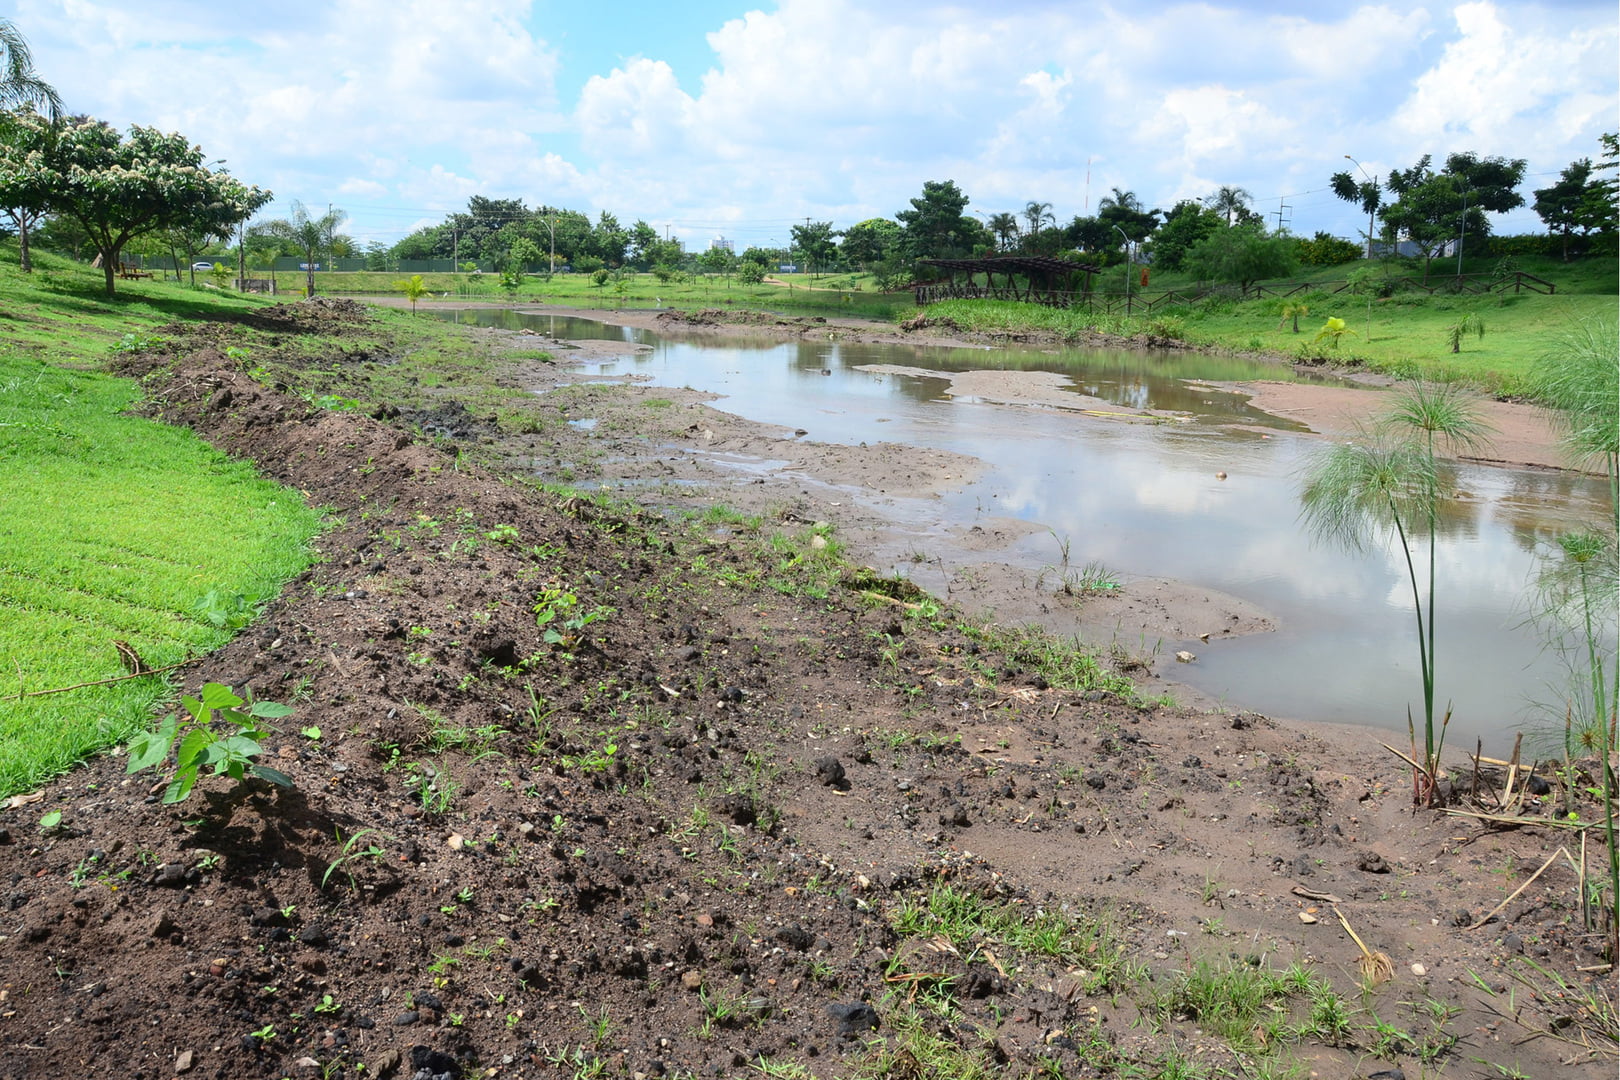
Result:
pixel 1242 254
pixel 934 227
pixel 1123 210
pixel 816 242
pixel 870 242
pixel 25 191
pixel 1582 202
pixel 1188 223
pixel 118 189
pixel 1433 208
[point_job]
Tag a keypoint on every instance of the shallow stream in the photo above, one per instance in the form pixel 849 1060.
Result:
pixel 1144 499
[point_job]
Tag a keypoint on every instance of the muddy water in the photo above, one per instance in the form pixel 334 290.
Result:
pixel 1144 496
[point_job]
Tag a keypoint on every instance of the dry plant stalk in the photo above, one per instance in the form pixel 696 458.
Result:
pixel 1375 967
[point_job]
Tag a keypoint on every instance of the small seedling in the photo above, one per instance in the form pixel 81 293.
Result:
pixel 265 1034
pixel 232 755
pixel 349 853
pixel 327 1005
pixel 50 822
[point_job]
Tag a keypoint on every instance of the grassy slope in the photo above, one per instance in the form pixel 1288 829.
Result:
pixel 1406 335
pixel 115 526
pixel 825 294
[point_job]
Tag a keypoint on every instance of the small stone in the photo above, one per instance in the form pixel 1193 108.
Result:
pixel 183 1061
pixel 1184 657
pixel 1372 863
pixel 163 926
pixel 407 1018
pixel 1419 970
pixel 386 1062
pixel 455 842
pixel 830 771
pixel 692 980
pixel 1307 918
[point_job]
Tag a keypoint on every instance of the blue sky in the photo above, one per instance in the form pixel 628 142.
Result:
pixel 712 117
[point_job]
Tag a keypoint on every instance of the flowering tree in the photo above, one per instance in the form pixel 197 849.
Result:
pixel 118 188
pixel 24 188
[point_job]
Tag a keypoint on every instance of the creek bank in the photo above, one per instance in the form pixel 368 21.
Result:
pixel 693 837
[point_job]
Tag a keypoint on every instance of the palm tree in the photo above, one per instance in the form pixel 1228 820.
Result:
pixel 1229 200
pixel 1037 214
pixel 1124 200
pixel 312 236
pixel 1005 227
pixel 19 85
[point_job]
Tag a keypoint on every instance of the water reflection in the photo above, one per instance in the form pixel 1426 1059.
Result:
pixel 1145 500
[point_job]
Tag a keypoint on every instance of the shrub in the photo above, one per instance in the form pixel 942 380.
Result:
pixel 1324 249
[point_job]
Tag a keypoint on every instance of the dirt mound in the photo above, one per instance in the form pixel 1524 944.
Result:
pixel 583 790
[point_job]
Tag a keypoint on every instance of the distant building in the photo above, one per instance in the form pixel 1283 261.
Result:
pixel 1408 249
pixel 723 244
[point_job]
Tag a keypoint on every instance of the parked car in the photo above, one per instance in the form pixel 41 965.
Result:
pixel 202 266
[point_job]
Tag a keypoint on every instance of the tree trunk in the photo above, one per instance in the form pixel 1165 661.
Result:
pixel 109 264
pixel 22 242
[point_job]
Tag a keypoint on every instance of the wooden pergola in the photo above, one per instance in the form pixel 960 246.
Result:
pixel 1044 280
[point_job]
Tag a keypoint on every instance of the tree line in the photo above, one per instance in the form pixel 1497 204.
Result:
pixel 81 186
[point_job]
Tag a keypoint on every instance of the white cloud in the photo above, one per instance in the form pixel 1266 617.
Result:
pixel 835 108
pixel 1498 82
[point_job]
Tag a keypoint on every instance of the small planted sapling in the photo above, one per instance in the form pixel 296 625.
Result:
pixel 198 743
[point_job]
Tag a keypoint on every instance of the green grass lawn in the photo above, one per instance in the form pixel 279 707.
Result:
pixel 1405 334
pixel 116 527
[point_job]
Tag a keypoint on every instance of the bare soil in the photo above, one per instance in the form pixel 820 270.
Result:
pixel 682 840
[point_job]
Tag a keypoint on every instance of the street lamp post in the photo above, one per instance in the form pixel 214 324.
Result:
pixel 1462 233
pixel 1127 267
pixel 1374 208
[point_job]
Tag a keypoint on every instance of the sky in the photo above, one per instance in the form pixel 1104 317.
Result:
pixel 715 118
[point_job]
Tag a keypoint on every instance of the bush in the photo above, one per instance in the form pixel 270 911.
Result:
pixel 750 273
pixel 1326 250
pixel 1371 279
pixel 599 277
pixel 586 264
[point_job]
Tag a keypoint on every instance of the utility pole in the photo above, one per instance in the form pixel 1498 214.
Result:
pixel 1282 208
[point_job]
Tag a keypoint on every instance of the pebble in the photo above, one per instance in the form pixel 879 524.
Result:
pixel 1419 970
